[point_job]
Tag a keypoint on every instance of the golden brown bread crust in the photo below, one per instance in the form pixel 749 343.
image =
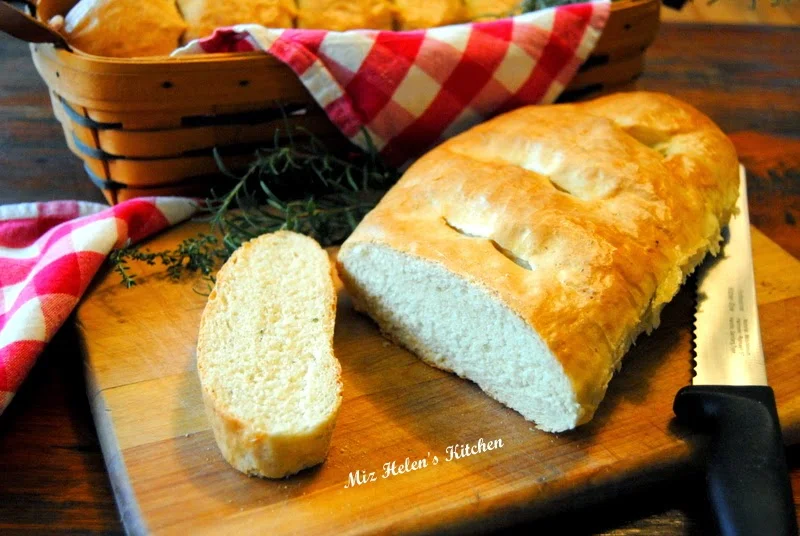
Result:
pixel 262 454
pixel 204 16
pixel 342 15
pixel 124 28
pixel 415 14
pixel 583 219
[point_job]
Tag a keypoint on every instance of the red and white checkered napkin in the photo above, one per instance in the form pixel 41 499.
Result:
pixel 408 90
pixel 49 253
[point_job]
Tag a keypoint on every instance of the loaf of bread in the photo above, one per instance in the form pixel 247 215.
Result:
pixel 123 28
pixel 270 382
pixel 528 253
pixel 204 16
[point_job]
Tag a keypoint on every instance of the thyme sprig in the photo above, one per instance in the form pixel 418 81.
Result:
pixel 198 254
pixel 299 183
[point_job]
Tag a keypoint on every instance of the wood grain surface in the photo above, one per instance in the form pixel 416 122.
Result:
pixel 52 477
pixel 170 478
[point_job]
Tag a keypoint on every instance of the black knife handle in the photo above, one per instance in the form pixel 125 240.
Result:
pixel 748 483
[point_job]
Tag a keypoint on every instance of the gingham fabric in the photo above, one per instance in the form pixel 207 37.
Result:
pixel 408 90
pixel 49 253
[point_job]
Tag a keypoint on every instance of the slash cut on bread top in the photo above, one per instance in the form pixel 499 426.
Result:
pixel 573 223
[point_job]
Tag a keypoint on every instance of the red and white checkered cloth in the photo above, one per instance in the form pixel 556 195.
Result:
pixel 409 90
pixel 49 253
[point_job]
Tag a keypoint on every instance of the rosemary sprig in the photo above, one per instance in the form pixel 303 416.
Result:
pixel 299 184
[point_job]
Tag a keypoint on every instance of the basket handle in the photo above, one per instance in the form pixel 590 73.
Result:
pixel 22 26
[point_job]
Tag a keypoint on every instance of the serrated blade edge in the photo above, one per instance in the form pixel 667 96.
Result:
pixel 727 333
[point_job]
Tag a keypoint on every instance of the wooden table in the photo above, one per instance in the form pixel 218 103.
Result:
pixel 52 476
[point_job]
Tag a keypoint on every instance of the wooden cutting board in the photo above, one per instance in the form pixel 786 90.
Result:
pixel 169 477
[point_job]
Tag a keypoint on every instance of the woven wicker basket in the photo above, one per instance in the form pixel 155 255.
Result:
pixel 148 126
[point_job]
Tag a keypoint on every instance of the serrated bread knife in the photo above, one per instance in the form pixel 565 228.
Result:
pixel 729 399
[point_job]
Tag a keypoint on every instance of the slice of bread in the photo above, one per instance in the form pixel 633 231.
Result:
pixel 271 384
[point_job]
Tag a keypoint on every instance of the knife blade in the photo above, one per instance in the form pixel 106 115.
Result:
pixel 729 399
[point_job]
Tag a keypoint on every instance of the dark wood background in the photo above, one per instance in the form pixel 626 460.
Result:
pixel 52 475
